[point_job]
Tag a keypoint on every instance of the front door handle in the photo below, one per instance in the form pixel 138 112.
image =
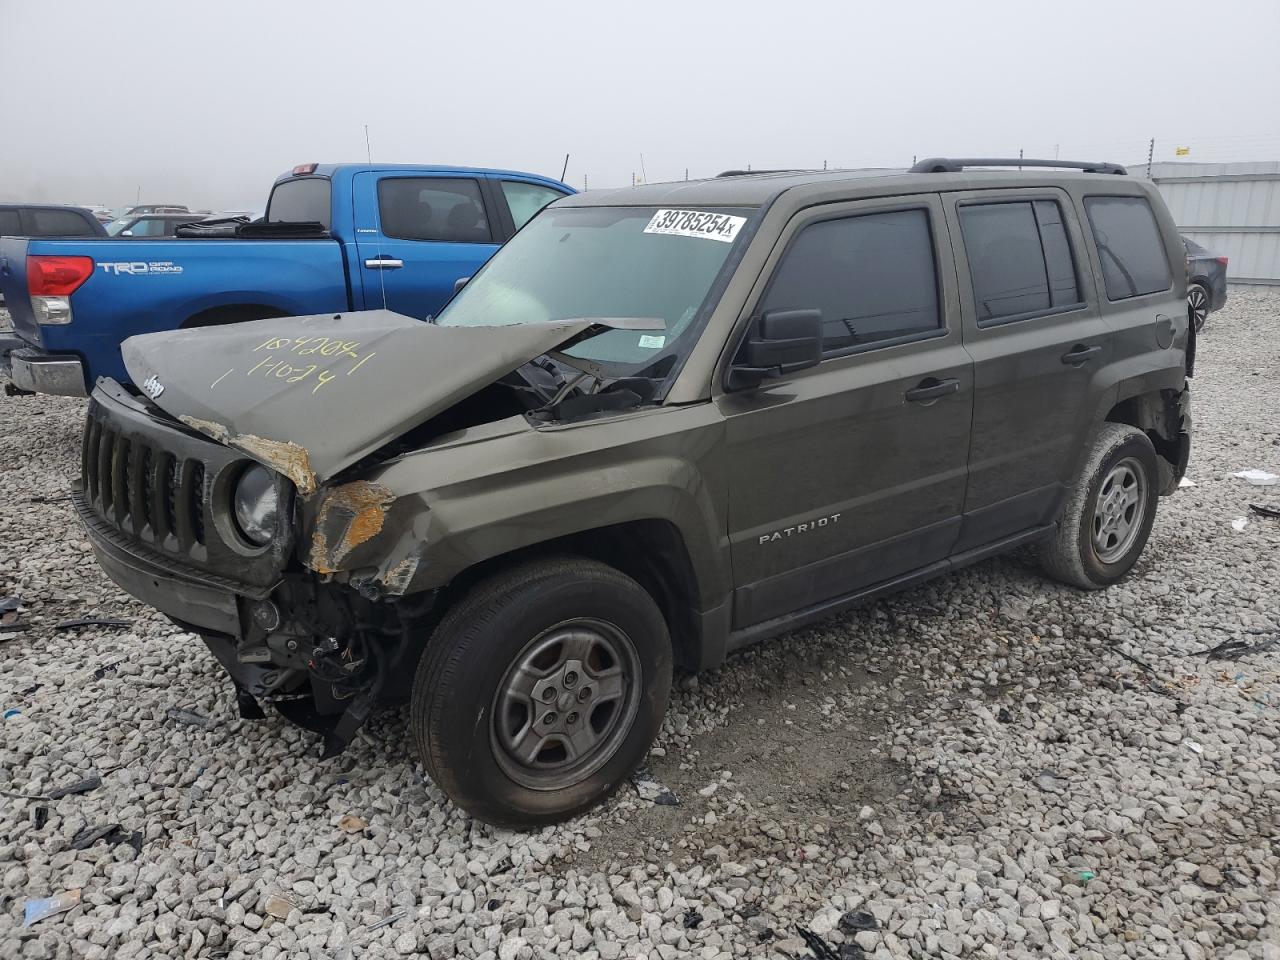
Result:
pixel 931 389
pixel 384 263
pixel 1080 354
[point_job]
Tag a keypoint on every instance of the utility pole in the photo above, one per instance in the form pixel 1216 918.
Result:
pixel 584 183
pixel 1151 153
pixel 643 176
pixel 1019 157
pixel 686 173
pixel 824 164
pixel 1055 151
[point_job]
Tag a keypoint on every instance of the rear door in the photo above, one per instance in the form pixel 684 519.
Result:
pixel 852 473
pixel 417 235
pixel 1032 325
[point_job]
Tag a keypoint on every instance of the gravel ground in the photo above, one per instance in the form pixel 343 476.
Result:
pixel 987 766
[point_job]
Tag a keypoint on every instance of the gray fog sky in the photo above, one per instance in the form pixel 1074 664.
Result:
pixel 205 103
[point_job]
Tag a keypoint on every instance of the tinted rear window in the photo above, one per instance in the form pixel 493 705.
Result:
pixel 1129 246
pixel 433 208
pixel 1019 259
pixel 300 201
pixel 9 225
pixel 57 223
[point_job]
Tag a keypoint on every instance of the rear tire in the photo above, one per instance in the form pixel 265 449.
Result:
pixel 541 691
pixel 1109 512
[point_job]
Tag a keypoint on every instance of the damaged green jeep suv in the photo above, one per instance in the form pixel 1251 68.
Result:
pixel 660 424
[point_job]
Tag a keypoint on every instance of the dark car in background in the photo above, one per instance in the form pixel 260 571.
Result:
pixel 1206 282
pixel 40 220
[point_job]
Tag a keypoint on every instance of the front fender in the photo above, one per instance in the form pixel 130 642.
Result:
pixel 431 515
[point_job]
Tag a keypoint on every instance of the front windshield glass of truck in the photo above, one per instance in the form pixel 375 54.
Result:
pixel 573 262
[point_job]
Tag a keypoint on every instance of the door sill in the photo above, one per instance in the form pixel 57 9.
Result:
pixel 746 636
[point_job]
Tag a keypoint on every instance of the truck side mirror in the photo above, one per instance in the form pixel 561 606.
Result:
pixel 459 284
pixel 126 233
pixel 779 342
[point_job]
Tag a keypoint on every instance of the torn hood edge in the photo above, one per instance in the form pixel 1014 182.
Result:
pixel 309 396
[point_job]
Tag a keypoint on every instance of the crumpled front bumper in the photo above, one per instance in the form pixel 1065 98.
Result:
pixel 204 601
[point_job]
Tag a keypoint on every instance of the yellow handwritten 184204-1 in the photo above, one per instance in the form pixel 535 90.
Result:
pixel 294 348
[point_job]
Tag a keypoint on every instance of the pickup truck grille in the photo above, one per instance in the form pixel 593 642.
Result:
pixel 157 489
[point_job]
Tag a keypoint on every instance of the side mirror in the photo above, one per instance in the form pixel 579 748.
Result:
pixel 126 233
pixel 780 342
pixel 459 284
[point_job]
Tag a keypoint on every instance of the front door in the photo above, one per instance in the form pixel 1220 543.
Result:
pixel 417 236
pixel 1038 344
pixel 852 473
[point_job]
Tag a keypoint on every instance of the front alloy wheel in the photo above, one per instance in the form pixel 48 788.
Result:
pixel 564 704
pixel 541 690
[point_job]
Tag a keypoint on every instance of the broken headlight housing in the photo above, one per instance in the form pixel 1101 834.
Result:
pixel 255 503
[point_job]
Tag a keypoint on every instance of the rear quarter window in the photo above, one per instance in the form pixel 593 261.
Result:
pixel 1129 245
pixel 9 224
pixel 305 200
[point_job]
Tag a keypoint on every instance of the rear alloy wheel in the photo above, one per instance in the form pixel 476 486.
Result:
pixel 1197 305
pixel 541 691
pixel 1109 512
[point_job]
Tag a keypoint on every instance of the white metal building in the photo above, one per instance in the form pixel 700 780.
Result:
pixel 1232 209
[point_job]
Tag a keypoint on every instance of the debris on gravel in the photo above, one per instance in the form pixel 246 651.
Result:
pixel 988 765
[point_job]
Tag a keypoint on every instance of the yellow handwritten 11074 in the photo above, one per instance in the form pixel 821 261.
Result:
pixel 298 347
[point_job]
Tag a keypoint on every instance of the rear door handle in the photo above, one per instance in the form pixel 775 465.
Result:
pixel 384 263
pixel 931 389
pixel 1080 354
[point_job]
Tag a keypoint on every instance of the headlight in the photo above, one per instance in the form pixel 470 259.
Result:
pixel 256 505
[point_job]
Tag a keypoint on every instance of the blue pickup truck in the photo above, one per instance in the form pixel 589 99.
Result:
pixel 335 237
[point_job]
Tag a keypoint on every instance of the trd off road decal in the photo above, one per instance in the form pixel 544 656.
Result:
pixel 692 223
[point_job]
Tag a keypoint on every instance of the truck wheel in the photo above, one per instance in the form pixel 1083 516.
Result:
pixel 541 691
pixel 1109 513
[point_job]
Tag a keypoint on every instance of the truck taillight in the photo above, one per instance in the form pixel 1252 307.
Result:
pixel 56 276
pixel 1221 260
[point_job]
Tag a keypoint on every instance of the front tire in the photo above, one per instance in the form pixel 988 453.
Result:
pixel 1197 305
pixel 1109 512
pixel 541 691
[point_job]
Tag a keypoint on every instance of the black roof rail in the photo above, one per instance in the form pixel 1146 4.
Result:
pixel 957 165
pixel 752 173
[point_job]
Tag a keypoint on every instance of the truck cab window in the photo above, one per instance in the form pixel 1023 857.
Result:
pixel 305 200
pixel 433 208
pixel 526 199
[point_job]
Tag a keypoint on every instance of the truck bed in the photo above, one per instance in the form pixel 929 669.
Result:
pixel 142 286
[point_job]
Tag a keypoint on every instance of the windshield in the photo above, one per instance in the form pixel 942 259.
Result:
pixel 572 262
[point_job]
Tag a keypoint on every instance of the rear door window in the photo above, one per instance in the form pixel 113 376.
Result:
pixel 526 199
pixel 57 223
pixel 1129 245
pixel 305 200
pixel 433 208
pixel 1020 261
pixel 873 276
pixel 10 226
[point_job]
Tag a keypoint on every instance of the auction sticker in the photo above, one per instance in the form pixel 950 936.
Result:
pixel 693 223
